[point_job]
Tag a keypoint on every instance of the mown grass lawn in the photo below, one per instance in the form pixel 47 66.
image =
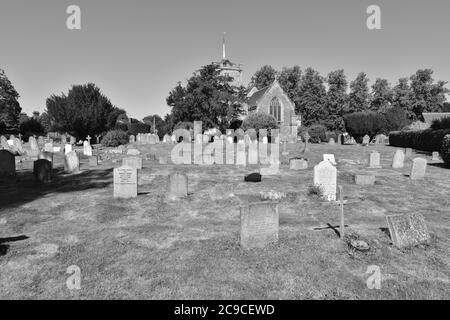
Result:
pixel 148 248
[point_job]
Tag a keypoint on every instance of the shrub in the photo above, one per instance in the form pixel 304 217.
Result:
pixel 115 138
pixel 317 133
pixel 396 119
pixel 417 126
pixel 426 140
pixel 138 127
pixel 445 150
pixel 316 191
pixel 259 120
pixel 443 123
pixel 359 124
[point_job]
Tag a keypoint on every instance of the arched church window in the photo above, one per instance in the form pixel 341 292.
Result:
pixel 275 109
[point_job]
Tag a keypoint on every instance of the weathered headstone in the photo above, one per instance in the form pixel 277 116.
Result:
pixel 435 156
pixel 132 162
pixel 418 169
pixel 330 158
pixel 71 162
pixel 46 155
pixel 42 170
pixel 48 147
pixel 133 152
pixel 125 182
pixel 34 148
pixel 365 179
pixel 241 156
pixel 132 139
pixel 366 140
pixel 7 164
pixel 331 142
pixel 325 176
pixel 67 148
pixel 408 153
pixel 4 143
pixel 177 186
pixel 374 160
pixel 298 164
pixel 398 160
pixel 259 225
pixel 87 149
pixel 93 161
pixel 407 230
pixel 198 130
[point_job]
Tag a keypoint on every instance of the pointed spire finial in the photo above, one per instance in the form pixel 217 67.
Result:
pixel 224 56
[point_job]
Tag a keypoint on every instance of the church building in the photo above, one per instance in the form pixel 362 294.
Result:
pixel 274 101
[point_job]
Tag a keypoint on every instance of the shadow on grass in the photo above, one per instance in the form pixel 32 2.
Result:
pixel 438 165
pixel 4 247
pixel 25 188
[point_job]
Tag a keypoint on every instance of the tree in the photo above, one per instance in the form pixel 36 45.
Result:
pixel 426 95
pixel 259 120
pixel 263 77
pixel 402 97
pixel 9 105
pixel 46 122
pixel 158 122
pixel 290 80
pixel 83 111
pixel 115 116
pixel 208 97
pixel 359 97
pixel 312 98
pixel 381 96
pixel 337 100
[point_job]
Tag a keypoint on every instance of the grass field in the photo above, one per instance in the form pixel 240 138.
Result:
pixel 148 248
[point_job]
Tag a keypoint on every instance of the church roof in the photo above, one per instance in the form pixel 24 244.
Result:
pixel 254 98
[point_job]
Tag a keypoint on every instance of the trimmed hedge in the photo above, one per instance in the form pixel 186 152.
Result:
pixel 445 150
pixel 359 124
pixel 115 138
pixel 139 127
pixel 443 123
pixel 426 140
pixel 317 133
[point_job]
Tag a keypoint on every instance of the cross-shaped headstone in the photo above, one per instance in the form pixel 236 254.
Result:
pixel 88 138
pixel 98 138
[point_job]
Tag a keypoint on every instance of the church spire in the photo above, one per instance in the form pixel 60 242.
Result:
pixel 224 56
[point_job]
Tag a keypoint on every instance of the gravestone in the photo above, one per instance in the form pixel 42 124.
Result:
pixel 418 169
pixel 132 162
pixel 133 152
pixel 365 179
pixel 63 139
pixel 298 164
pixel 407 230
pixel 42 170
pixel 435 156
pixel 239 134
pixel 72 140
pixel 408 153
pixel 274 168
pixel 252 134
pixel 48 147
pixel 7 164
pixel 125 182
pixel 132 139
pixel 247 139
pixel 199 139
pixel 87 149
pixel 259 225
pixel 330 158
pixel 374 160
pixel 205 138
pixel 366 140
pixel 166 139
pixel 398 160
pixel 46 155
pixel 93 161
pixel 41 140
pixel 262 135
pixel 34 148
pixel 177 186
pixel 332 142
pixel 71 162
pixel 253 152
pixel 253 177
pixel 241 156
pixel 152 139
pixel 325 176
pixel 67 148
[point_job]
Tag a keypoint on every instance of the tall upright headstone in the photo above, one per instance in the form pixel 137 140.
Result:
pixel 398 161
pixel 46 155
pixel 42 170
pixel 259 225
pixel 125 182
pixel 7 164
pixel 418 169
pixel 34 148
pixel 71 162
pixel 177 186
pixel 325 176
pixel 374 160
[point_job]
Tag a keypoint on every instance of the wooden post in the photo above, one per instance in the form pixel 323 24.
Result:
pixel 341 200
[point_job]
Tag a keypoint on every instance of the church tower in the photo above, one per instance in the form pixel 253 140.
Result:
pixel 229 68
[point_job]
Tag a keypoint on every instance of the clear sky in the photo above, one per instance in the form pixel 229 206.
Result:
pixel 137 50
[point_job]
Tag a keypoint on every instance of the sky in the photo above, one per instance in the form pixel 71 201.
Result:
pixel 137 50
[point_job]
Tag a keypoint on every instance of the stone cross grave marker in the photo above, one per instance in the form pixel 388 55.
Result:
pixel 259 225
pixel 325 176
pixel 407 230
pixel 418 169
pixel 125 182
